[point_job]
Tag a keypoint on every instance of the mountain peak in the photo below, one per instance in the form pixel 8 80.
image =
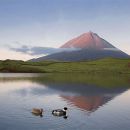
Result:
pixel 88 40
pixel 90 46
pixel 90 33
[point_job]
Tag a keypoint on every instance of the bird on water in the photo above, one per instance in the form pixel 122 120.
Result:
pixel 60 112
pixel 37 112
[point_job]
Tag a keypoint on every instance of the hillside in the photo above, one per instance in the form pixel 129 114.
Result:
pixel 103 66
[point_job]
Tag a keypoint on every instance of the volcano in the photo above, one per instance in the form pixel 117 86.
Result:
pixel 88 46
pixel 88 40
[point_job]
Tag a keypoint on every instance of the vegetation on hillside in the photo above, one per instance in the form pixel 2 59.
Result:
pixel 107 66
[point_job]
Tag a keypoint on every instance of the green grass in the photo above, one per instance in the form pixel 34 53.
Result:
pixel 102 66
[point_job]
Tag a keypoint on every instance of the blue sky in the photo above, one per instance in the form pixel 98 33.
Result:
pixel 50 23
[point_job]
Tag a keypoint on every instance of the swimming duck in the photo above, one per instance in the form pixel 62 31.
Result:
pixel 60 112
pixel 37 112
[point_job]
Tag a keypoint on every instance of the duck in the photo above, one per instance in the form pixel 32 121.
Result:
pixel 37 111
pixel 60 112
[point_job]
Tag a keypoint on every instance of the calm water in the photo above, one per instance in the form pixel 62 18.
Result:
pixel 94 102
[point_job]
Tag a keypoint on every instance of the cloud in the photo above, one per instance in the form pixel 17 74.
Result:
pixel 112 49
pixel 9 54
pixel 23 49
pixel 43 50
pixel 34 51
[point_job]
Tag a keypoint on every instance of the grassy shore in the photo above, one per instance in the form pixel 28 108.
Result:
pixel 105 66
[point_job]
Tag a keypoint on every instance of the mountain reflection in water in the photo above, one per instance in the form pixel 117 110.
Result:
pixel 86 97
pixel 90 103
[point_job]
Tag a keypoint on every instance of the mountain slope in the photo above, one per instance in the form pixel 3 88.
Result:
pixel 84 54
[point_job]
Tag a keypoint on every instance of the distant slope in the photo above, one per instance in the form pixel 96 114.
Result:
pixel 84 54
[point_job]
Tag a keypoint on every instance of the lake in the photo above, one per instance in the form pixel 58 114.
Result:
pixel 94 102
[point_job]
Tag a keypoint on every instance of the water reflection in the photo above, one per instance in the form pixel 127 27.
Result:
pixel 89 93
pixel 90 103
pixel 97 96
pixel 86 97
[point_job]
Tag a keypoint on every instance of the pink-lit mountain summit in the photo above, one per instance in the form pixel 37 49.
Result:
pixel 88 40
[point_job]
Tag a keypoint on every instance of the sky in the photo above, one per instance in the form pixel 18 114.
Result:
pixel 34 24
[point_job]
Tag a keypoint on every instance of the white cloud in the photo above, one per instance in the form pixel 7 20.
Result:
pixel 8 54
